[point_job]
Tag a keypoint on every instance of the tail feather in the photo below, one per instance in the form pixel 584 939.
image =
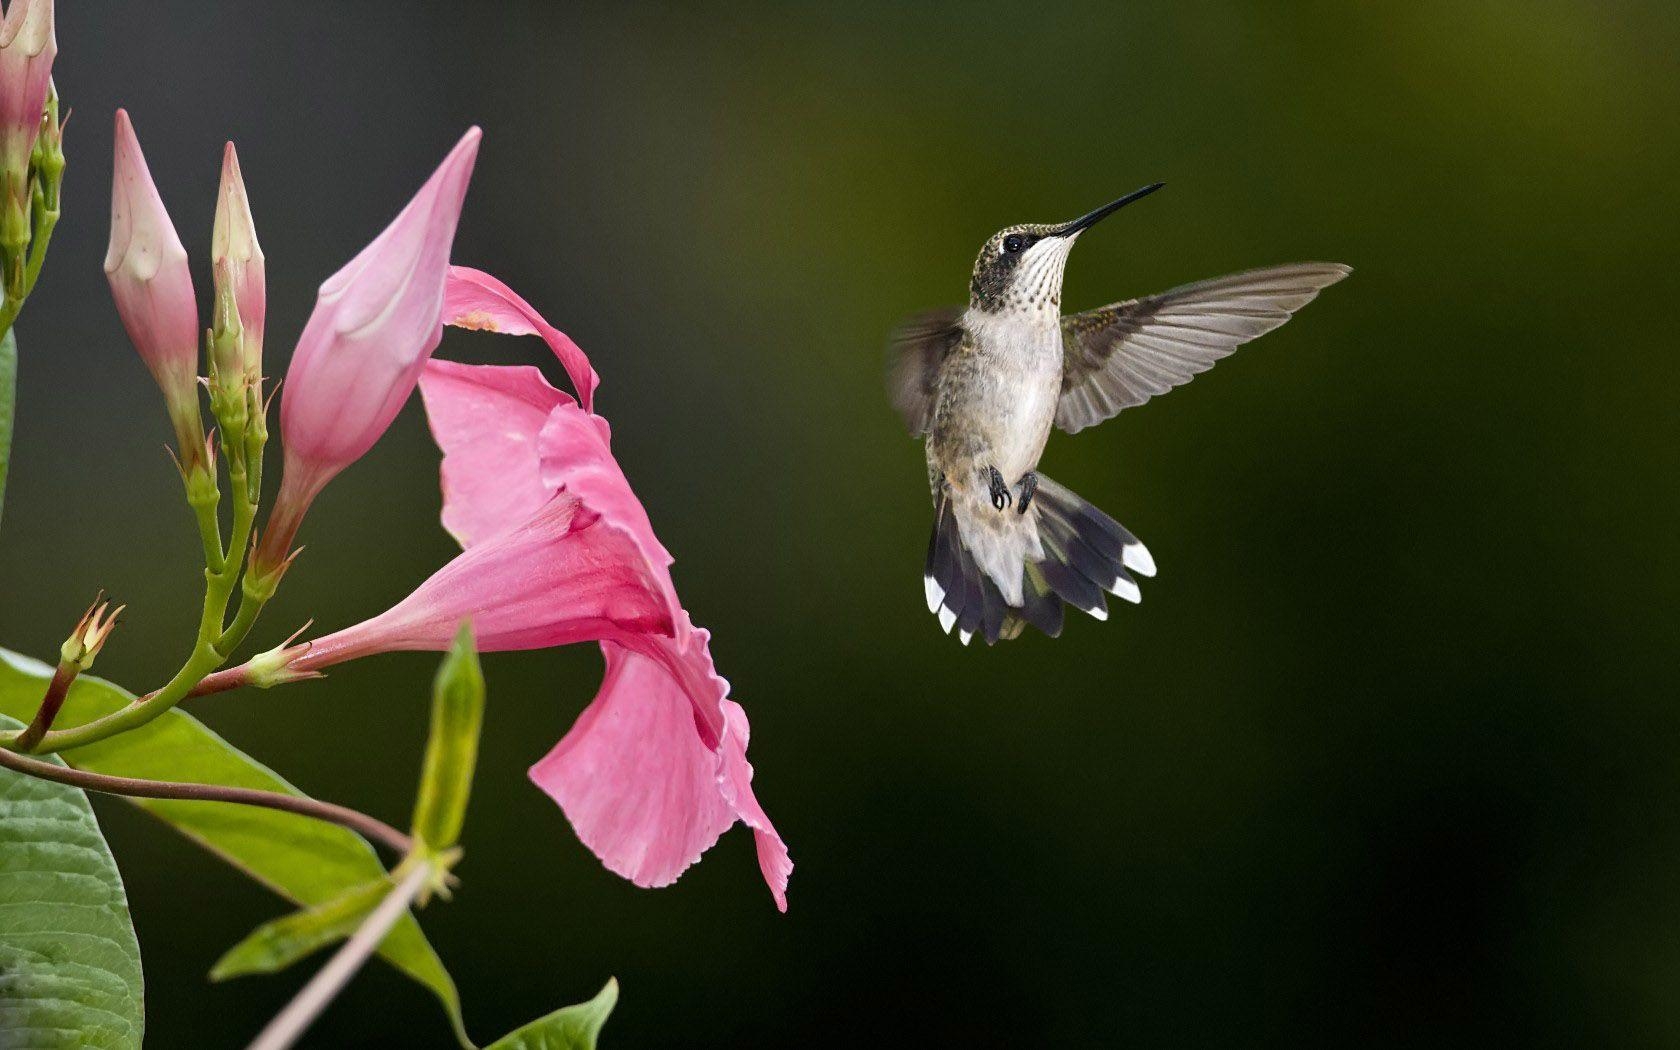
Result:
pixel 1085 553
pixel 1041 608
pixel 963 596
pixel 1069 513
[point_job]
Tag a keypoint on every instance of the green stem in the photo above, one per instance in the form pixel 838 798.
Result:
pixel 250 607
pixel 210 532
pixel 8 402
pixel 211 651
pixel 203 660
pixel 38 249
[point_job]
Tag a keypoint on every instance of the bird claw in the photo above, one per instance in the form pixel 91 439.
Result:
pixel 1029 485
pixel 1001 496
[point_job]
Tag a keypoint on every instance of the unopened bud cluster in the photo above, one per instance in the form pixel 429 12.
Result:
pixel 152 283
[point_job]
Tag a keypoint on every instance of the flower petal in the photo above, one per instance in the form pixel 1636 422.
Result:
pixel 574 457
pixel 487 419
pixel 566 575
pixel 476 300
pixel 735 782
pixel 641 789
pixel 503 460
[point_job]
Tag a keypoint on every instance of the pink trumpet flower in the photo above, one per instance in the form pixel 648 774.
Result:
pixel 558 550
pixel 375 323
pixel 28 45
pixel 152 285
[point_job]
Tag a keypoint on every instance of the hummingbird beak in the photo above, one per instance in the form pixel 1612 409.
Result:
pixel 1085 222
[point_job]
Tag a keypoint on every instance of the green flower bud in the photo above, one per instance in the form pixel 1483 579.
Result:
pixel 452 748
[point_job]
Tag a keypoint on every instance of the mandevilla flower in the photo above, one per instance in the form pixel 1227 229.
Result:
pixel 28 45
pixel 152 286
pixel 559 550
pixel 375 323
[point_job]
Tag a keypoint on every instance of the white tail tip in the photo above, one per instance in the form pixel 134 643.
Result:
pixel 1136 557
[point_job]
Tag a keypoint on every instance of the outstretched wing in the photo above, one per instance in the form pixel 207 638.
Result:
pixel 1123 354
pixel 913 358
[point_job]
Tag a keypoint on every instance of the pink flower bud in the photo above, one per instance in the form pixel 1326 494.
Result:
pixel 147 268
pixel 237 259
pixel 27 47
pixel 375 324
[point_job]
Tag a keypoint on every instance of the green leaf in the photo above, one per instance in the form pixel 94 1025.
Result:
pixel 69 964
pixel 306 861
pixel 440 806
pixel 573 1028
pixel 8 405
pixel 275 945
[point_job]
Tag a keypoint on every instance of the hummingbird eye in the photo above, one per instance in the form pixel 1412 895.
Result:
pixel 1014 243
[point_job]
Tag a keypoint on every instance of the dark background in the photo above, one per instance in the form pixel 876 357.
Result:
pixel 1387 756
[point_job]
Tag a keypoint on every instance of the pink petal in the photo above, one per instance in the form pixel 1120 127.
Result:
pixel 476 300
pixel 641 789
pixel 502 461
pixel 634 779
pixel 735 783
pixel 575 458
pixel 566 575
pixel 487 420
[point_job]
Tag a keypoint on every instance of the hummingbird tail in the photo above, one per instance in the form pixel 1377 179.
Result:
pixel 1081 553
pixel 1086 552
pixel 961 594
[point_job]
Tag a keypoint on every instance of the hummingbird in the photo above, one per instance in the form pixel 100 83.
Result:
pixel 983 385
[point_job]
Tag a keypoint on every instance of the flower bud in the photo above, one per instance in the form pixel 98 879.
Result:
pixel 84 643
pixel 48 157
pixel 152 286
pixel 452 745
pixel 375 324
pixel 225 351
pixel 27 47
pixel 273 667
pixel 237 260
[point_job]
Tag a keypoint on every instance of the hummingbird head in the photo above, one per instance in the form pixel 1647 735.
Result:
pixel 1020 267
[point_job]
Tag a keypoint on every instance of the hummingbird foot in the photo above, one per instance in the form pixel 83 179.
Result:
pixel 1001 496
pixel 1029 485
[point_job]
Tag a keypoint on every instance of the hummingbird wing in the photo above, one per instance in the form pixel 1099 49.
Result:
pixel 918 347
pixel 1123 354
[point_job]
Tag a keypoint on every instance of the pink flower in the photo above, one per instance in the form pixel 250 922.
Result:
pixel 28 45
pixel 150 281
pixel 237 261
pixel 557 550
pixel 375 323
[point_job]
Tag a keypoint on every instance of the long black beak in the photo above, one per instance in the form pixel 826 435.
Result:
pixel 1085 222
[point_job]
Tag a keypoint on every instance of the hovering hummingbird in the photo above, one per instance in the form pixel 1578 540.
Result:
pixel 984 384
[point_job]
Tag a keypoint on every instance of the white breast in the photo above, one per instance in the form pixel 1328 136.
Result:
pixel 1025 352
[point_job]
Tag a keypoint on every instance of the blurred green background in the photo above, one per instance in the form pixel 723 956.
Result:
pixel 1387 756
